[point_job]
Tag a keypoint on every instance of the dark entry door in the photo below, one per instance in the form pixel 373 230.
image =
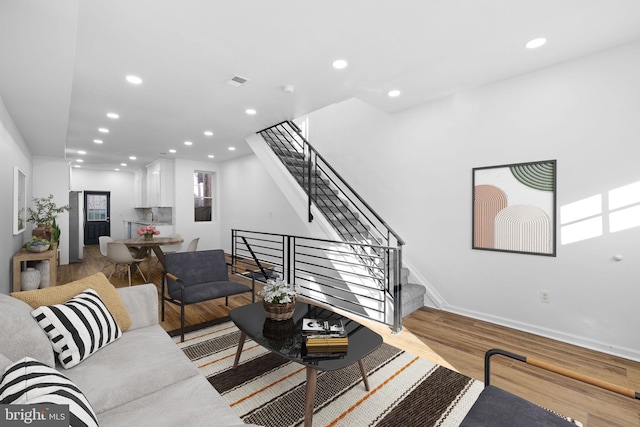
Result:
pixel 97 210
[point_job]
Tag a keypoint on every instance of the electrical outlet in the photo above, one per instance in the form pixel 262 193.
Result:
pixel 545 296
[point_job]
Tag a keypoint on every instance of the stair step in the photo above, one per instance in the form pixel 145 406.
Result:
pixel 412 298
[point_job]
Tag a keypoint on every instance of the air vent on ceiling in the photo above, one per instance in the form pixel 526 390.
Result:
pixel 237 81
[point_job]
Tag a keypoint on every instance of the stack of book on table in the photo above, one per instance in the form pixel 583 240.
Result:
pixel 324 336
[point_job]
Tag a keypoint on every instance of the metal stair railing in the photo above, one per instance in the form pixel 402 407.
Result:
pixel 327 271
pixel 350 214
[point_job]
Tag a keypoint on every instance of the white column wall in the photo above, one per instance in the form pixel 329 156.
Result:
pixel 51 176
pixel 415 169
pixel 14 152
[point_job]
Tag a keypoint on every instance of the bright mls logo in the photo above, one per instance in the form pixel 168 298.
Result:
pixel 37 415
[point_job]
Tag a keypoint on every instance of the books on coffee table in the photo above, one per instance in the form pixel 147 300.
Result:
pixel 319 344
pixel 324 336
pixel 333 327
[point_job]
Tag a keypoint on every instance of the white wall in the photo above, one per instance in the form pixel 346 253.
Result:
pixel 14 152
pixel 185 225
pixel 415 169
pixel 119 184
pixel 51 176
pixel 251 200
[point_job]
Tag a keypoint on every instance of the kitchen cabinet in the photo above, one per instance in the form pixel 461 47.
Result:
pixel 139 188
pixel 159 183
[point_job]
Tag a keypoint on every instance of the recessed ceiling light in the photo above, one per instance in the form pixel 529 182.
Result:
pixel 132 157
pixel 103 130
pixel 208 133
pixel 76 166
pixel 79 160
pixel 98 141
pixel 116 169
pixel 123 164
pixel 250 111
pixel 532 44
pixel 172 151
pixel 232 148
pixel 211 156
pixel 188 143
pixel 394 93
pixel 82 152
pixel 339 64
pixel 134 80
pixel 113 115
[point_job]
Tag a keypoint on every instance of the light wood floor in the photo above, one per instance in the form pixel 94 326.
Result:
pixel 459 343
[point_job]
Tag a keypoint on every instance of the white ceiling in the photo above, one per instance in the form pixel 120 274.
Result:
pixel 63 63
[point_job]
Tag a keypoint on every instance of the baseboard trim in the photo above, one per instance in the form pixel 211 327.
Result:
pixel 602 347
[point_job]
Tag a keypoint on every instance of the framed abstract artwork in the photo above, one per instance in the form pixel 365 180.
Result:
pixel 514 208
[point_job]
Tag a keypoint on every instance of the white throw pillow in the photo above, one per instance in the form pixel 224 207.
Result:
pixel 78 328
pixel 29 382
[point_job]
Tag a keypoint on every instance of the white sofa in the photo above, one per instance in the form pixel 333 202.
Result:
pixel 141 379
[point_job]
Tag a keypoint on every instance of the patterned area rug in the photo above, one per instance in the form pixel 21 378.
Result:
pixel 269 390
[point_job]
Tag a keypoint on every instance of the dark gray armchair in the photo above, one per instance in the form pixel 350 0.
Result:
pixel 192 277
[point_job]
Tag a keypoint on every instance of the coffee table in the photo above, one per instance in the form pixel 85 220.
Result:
pixel 252 322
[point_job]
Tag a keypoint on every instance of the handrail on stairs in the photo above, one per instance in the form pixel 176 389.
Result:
pixel 341 184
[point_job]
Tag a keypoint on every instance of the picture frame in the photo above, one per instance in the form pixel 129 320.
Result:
pixel 19 200
pixel 514 208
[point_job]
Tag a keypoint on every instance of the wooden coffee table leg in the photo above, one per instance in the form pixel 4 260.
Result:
pixel 310 396
pixel 243 336
pixel 363 371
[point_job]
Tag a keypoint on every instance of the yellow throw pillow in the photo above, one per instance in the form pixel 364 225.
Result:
pixel 63 293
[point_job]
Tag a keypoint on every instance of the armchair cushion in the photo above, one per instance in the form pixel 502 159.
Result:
pixel 209 290
pixel 204 275
pixel 196 267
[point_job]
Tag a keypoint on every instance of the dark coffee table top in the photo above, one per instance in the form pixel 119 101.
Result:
pixel 284 337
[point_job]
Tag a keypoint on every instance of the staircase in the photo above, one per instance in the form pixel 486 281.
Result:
pixel 349 215
pixel 287 143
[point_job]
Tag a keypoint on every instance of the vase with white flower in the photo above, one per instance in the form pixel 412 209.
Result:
pixel 148 231
pixel 279 299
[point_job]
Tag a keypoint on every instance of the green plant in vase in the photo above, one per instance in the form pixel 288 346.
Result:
pixel 43 213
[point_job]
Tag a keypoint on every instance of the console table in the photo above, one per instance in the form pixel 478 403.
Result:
pixel 24 255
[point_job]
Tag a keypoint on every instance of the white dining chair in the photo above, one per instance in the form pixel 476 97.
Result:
pixel 169 249
pixel 119 254
pixel 193 245
pixel 103 240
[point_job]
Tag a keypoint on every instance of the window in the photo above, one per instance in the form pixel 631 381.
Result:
pixel 96 207
pixel 202 195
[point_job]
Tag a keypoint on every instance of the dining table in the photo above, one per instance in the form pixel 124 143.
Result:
pixel 143 248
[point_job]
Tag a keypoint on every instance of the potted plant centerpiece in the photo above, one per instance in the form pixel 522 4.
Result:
pixel 43 213
pixel 279 299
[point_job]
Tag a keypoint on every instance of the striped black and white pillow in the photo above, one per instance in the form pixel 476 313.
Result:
pixel 29 382
pixel 78 328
